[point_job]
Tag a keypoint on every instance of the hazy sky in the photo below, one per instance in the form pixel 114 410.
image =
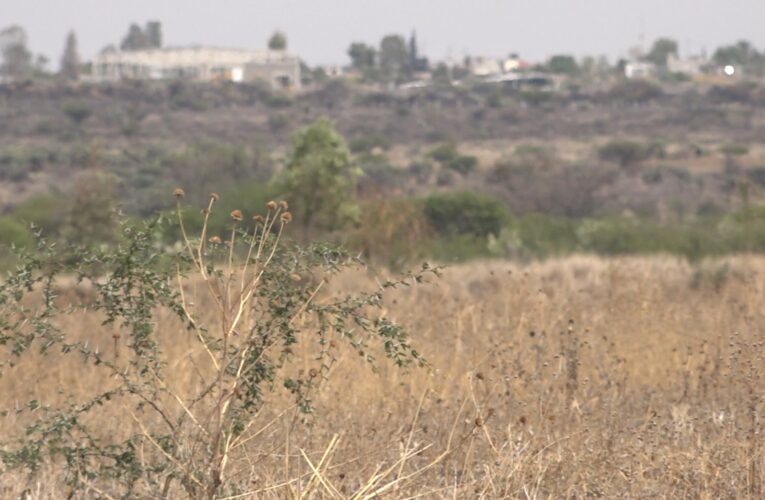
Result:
pixel 321 30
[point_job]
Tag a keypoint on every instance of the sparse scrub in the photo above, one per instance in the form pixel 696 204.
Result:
pixel 635 91
pixel 449 157
pixel 278 122
pixel 625 153
pixel 240 303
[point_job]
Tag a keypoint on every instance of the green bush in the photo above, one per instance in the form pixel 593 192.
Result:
pixel 45 211
pixel 368 142
pixel 744 230
pixel 393 231
pixel 624 152
pixel 448 156
pixel 635 91
pixel 542 235
pixel 77 111
pixel 14 233
pixel 734 150
pixel 464 213
pixel 379 173
pixel 616 236
pixel 537 97
pixel 463 164
pixel 278 101
pixel 460 248
pixel 249 198
pixel 278 122
pixel 757 175
pixel 444 153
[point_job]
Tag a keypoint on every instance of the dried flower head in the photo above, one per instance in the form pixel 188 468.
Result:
pixel 286 217
pixel 236 215
pixel 271 205
pixel 179 193
pixel 284 205
pixel 215 240
pixel 313 373
pixel 214 196
pixel 258 219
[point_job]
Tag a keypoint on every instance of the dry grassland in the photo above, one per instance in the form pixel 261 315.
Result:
pixel 575 378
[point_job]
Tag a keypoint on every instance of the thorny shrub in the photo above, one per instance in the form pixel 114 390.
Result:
pixel 246 302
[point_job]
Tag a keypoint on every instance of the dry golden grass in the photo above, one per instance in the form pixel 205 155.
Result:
pixel 574 378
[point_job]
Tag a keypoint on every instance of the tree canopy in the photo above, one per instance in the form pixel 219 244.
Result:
pixel 16 58
pixel 138 38
pixel 563 65
pixel 320 178
pixel 278 41
pixel 362 56
pixel 661 50
pixel 394 57
pixel 70 60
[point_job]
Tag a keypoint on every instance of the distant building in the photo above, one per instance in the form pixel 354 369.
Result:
pixel 491 67
pixel 514 63
pixel 526 80
pixel 639 69
pixel 280 69
pixel 691 66
pixel 485 66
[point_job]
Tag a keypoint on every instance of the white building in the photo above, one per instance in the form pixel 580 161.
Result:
pixel 691 66
pixel 639 69
pixel 280 69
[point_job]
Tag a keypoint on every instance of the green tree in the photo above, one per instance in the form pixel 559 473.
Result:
pixel 416 62
pixel 135 39
pixel 394 57
pixel 563 65
pixel 661 50
pixel 17 60
pixel 320 178
pixel 739 54
pixel 278 41
pixel 362 56
pixel 441 75
pixel 153 34
pixel 70 60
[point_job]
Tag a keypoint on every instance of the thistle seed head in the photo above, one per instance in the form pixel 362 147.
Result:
pixel 179 193
pixel 236 215
pixel 286 217
pixel 271 205
pixel 215 240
